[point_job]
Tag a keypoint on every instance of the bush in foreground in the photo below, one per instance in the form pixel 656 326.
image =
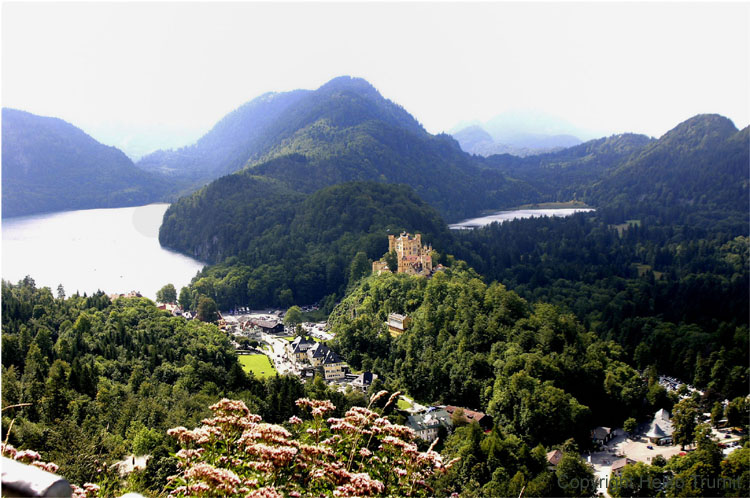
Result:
pixel 361 454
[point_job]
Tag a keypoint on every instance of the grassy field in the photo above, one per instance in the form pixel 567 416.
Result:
pixel 403 403
pixel 290 338
pixel 258 364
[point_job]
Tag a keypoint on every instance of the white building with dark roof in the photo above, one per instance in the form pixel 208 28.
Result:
pixel 660 430
pixel 364 381
pixel 426 425
pixel 334 368
pixel 297 349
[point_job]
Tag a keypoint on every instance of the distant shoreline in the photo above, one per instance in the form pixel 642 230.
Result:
pixel 541 205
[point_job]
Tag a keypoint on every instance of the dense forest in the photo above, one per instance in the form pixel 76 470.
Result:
pixel 87 381
pixel 672 294
pixel 662 268
pixel 50 165
pixel 535 369
pixel 543 377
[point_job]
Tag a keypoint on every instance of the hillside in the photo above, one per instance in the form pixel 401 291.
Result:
pixel 344 131
pixel 50 165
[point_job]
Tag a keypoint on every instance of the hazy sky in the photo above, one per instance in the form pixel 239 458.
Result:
pixel 174 69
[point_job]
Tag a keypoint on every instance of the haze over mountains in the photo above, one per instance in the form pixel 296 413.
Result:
pixel 520 133
pixel 343 131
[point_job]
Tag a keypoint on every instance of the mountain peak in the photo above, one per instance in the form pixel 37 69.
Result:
pixel 351 83
pixel 702 129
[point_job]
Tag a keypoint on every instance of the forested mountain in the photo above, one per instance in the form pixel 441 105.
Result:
pixel 699 169
pixel 344 131
pixel 700 165
pixel 277 246
pixel 50 165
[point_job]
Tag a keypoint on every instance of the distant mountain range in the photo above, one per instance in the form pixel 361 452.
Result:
pixel 519 133
pixel 50 165
pixel 301 141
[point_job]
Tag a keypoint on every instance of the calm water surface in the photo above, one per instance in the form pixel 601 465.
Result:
pixel 512 215
pixel 115 250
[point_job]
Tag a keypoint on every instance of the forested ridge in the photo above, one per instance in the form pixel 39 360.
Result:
pixel 301 249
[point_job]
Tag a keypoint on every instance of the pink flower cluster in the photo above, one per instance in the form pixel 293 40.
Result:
pixel 318 407
pixel 361 454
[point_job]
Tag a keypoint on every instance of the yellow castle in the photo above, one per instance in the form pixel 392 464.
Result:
pixel 413 257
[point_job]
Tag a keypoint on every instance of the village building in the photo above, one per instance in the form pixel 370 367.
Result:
pixel 175 309
pixel 484 421
pixel 297 349
pixel 601 435
pixel 427 425
pixel 364 381
pixel 397 324
pixel 553 458
pixel 660 429
pixel 317 353
pixel 270 326
pixel 619 465
pixel 333 366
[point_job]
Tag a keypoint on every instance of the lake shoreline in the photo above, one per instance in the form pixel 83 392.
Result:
pixel 520 213
pixel 115 250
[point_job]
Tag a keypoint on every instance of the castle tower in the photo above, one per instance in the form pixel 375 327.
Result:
pixel 413 258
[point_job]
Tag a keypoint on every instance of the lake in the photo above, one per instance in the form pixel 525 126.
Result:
pixel 514 214
pixel 115 250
